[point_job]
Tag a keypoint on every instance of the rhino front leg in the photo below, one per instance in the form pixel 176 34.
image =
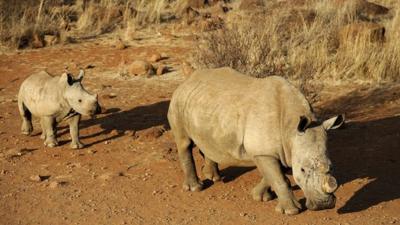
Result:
pixel 48 126
pixel 192 182
pixel 74 132
pixel 26 117
pixel 271 171
pixel 43 135
pixel 210 169
pixel 261 192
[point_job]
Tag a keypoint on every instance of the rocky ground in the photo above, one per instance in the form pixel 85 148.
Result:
pixel 129 172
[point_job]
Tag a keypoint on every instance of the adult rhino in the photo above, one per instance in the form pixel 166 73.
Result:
pixel 239 120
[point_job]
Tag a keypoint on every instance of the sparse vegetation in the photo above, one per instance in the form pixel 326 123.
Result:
pixel 24 23
pixel 307 44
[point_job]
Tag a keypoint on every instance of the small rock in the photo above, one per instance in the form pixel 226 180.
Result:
pixel 150 133
pixel 56 184
pixel 114 132
pixel 91 151
pixel 155 57
pixel 37 41
pixel 50 40
pixel 107 142
pixel 130 133
pixel 164 55
pixel 112 95
pixel 187 69
pixel 243 214
pixel 110 175
pixel 119 44
pixel 161 70
pixel 140 67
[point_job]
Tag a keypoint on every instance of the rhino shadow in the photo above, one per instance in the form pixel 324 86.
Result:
pixel 135 119
pixel 367 152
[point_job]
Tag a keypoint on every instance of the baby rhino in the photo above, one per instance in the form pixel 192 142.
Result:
pixel 53 99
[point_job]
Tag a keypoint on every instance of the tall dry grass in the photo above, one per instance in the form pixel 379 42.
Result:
pixel 21 21
pixel 304 45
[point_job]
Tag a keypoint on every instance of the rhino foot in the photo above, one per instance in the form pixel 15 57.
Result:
pixel 51 143
pixel 262 195
pixel 289 207
pixel 77 145
pixel 211 174
pixel 193 186
pixel 43 136
pixel 26 129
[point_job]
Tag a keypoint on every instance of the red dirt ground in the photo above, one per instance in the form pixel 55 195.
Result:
pixel 129 174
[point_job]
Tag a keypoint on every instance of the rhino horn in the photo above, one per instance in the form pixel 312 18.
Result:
pixel 81 74
pixel 330 185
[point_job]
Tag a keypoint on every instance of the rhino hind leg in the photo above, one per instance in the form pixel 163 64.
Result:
pixel 262 191
pixel 49 127
pixel 185 146
pixel 26 116
pixel 270 169
pixel 210 169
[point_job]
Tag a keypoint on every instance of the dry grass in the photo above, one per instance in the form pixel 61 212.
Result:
pixel 302 44
pixel 26 20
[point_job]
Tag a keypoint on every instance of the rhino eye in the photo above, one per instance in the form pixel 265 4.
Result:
pixel 302 170
pixel 80 100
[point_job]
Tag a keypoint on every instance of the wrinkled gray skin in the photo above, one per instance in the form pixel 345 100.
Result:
pixel 239 120
pixel 53 99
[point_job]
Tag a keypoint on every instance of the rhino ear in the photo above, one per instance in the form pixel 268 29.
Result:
pixel 334 122
pixel 66 79
pixel 303 124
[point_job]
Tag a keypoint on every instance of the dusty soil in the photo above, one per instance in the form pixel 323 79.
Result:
pixel 129 172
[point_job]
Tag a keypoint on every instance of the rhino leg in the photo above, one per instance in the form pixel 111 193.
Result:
pixel 48 125
pixel 261 192
pixel 26 116
pixel 210 169
pixel 192 182
pixel 74 132
pixel 271 171
pixel 43 135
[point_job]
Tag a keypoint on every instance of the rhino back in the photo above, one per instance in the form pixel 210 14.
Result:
pixel 230 116
pixel 41 94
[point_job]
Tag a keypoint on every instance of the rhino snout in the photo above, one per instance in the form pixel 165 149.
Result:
pixel 327 203
pixel 330 185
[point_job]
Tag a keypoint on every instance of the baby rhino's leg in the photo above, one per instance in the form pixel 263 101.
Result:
pixel 48 126
pixel 26 116
pixel 74 132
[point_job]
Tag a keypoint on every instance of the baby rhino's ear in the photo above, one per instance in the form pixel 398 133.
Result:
pixel 334 122
pixel 66 79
